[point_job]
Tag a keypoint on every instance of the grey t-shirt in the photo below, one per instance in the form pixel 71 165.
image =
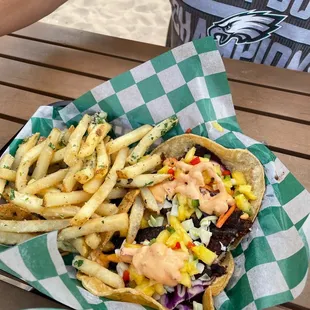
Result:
pixel 271 32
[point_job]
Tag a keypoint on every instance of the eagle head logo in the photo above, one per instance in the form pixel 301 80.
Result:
pixel 246 27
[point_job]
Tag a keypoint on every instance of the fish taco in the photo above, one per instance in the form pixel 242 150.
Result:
pixel 178 256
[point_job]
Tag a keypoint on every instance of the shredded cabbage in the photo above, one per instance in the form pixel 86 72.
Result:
pixel 156 222
pixel 188 224
pixel 175 207
pixel 197 306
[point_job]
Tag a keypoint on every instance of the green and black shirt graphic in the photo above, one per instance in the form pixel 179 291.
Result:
pixel 271 32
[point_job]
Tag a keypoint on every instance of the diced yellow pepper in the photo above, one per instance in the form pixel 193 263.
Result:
pixel 204 159
pixel 163 170
pixel 134 276
pixel 173 239
pixel 181 213
pixel 206 177
pixel 183 247
pixel 204 254
pixel 163 236
pixel 239 177
pixel 159 289
pixel 185 279
pixel 144 223
pixel 217 169
pixel 147 290
pixel 190 155
pixel 243 204
pixel 182 199
pixel 247 191
pixel 179 229
pixel 227 183
pixel 190 268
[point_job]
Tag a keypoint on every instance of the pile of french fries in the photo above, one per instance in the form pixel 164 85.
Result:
pixel 66 182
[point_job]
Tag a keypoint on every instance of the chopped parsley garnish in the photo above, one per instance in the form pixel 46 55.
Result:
pixel 62 143
pixel 147 184
pixel 78 263
pixel 52 146
pixel 102 221
pixel 6 167
pixel 26 199
pixel 12 194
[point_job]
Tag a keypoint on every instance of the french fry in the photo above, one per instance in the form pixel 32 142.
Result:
pixel 96 200
pixel 140 167
pixel 158 131
pixel 117 193
pixel 135 218
pixel 96 135
pixel 69 181
pixel 59 199
pixel 103 160
pixel 48 190
pixel 106 209
pixel 102 224
pixel 95 270
pixel 127 139
pixel 11 238
pixel 9 211
pixel 5 162
pixel 27 160
pixel 75 140
pixel 32 225
pixel 88 170
pixel 58 156
pixel 66 134
pixel 46 155
pixel 143 180
pixel 62 212
pixel 7 174
pixel 124 207
pixel 93 240
pixel 149 200
pixel 46 182
pixel 93 185
pixel 23 148
pixel 66 246
pixel 80 245
pixel 30 203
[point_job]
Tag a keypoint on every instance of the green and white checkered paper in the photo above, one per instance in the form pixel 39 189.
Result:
pixel 189 82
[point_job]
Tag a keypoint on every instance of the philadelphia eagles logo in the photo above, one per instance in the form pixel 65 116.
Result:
pixel 246 27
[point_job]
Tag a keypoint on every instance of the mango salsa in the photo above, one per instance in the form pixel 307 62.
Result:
pixel 134 276
pixel 185 279
pixel 247 191
pixel 190 268
pixel 204 254
pixel 146 288
pixel 163 237
pixel 239 177
pixel 159 289
pixel 243 204
pixel 174 222
pixel 190 155
pixel 206 177
pixel 163 170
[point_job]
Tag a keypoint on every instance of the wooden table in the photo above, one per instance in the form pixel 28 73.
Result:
pixel 42 64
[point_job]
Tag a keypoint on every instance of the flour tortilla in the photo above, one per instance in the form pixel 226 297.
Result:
pixel 234 160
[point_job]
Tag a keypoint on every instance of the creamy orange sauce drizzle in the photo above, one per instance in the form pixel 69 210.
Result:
pixel 189 182
pixel 156 262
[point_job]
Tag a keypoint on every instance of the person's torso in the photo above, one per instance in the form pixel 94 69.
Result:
pixel 271 32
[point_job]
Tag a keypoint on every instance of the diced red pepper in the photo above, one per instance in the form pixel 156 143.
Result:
pixel 126 276
pixel 195 161
pixel 171 171
pixel 188 130
pixel 190 244
pixel 177 246
pixel 226 172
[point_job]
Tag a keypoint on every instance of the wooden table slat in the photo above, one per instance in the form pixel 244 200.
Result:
pixel 276 132
pixel 7 130
pixel 245 96
pixel 49 81
pixel 237 70
pixel 95 42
